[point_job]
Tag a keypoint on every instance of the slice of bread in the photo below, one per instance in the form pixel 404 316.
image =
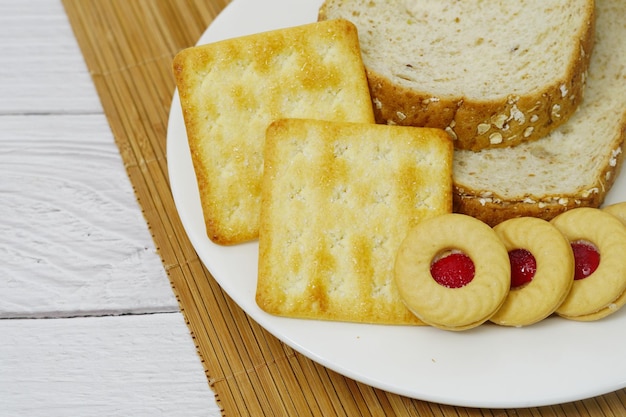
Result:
pixel 337 200
pixel 575 165
pixel 491 73
pixel 231 91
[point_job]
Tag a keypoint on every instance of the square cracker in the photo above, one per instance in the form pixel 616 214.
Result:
pixel 231 91
pixel 337 201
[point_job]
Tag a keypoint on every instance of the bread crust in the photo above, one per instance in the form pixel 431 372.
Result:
pixel 476 124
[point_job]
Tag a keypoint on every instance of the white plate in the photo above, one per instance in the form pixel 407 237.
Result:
pixel 552 362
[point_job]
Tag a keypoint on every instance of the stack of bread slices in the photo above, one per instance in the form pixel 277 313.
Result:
pixel 533 93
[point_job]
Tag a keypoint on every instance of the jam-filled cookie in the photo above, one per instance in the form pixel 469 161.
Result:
pixel 598 240
pixel 542 270
pixel 452 271
pixel 618 210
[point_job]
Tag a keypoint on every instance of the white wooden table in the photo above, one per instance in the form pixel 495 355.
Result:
pixel 89 325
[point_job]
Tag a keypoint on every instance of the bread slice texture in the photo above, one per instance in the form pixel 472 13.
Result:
pixel 231 91
pixel 337 200
pixel 491 73
pixel 574 166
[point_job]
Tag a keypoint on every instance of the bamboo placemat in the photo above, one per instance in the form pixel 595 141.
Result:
pixel 128 47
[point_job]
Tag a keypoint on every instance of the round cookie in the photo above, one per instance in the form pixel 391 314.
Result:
pixel 553 275
pixel 618 210
pixel 594 296
pixel 444 306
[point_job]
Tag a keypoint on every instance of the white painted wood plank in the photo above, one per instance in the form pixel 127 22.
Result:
pixel 143 365
pixel 73 240
pixel 41 67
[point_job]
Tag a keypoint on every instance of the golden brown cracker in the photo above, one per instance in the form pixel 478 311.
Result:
pixel 337 200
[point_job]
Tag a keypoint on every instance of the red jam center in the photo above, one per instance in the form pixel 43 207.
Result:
pixel 523 267
pixel 453 271
pixel 586 258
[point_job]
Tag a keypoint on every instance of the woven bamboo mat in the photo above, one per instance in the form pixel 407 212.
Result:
pixel 128 47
